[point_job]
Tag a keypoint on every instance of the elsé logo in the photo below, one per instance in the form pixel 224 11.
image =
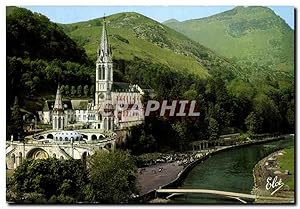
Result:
pixel 274 184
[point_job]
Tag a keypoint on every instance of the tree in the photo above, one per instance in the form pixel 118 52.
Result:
pixel 67 90
pixel 17 121
pixel 113 177
pixel 291 115
pixel 86 90
pixel 92 90
pixel 213 128
pixel 62 90
pixel 180 132
pixel 48 180
pixel 253 123
pixel 79 90
pixel 73 91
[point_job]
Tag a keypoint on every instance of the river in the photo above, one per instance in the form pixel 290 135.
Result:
pixel 228 171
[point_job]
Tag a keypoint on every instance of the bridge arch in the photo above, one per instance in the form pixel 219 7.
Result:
pixel 50 136
pixel 84 136
pixel 41 137
pixel 94 137
pixel 37 153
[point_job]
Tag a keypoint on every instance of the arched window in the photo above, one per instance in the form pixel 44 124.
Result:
pixel 13 157
pixel 105 124
pixel 102 72
pixel 109 124
pixel 20 157
pixel 59 123
pixel 99 72
pixel 55 122
pixel 108 73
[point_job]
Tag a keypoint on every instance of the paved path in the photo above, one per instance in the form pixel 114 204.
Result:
pixel 152 177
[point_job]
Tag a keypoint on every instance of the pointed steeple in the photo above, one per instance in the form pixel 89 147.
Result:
pixel 104 52
pixel 58 105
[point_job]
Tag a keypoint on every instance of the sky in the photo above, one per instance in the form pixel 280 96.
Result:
pixel 71 14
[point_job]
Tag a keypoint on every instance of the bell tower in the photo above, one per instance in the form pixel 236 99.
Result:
pixel 58 117
pixel 104 81
pixel 104 69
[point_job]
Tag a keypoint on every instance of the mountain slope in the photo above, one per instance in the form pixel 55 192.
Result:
pixel 39 55
pixel 34 36
pixel 248 34
pixel 134 35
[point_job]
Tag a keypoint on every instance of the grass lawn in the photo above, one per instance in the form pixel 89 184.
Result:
pixel 286 162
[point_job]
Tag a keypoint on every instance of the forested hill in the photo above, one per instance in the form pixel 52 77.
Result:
pixel 33 36
pixel 39 55
pixel 252 35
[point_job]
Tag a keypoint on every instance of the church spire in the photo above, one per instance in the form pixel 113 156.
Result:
pixel 104 53
pixel 58 101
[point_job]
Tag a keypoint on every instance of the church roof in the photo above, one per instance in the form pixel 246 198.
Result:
pixel 58 105
pixel 104 50
pixel 123 87
pixel 49 105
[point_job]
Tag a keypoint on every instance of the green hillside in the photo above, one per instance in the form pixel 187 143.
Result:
pixel 39 55
pixel 34 36
pixel 245 34
pixel 133 35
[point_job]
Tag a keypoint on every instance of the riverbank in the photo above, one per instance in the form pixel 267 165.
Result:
pixel 270 168
pixel 170 182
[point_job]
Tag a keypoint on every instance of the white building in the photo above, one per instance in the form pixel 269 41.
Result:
pixel 107 111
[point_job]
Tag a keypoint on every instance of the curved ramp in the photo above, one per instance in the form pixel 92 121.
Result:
pixel 222 193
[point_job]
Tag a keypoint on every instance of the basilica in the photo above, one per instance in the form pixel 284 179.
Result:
pixel 106 111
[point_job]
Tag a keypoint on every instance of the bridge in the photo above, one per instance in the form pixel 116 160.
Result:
pixel 233 195
pixel 17 151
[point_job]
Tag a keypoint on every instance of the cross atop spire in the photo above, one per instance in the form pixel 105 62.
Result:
pixel 58 105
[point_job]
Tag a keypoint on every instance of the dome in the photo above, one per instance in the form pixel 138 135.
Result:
pixel 67 136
